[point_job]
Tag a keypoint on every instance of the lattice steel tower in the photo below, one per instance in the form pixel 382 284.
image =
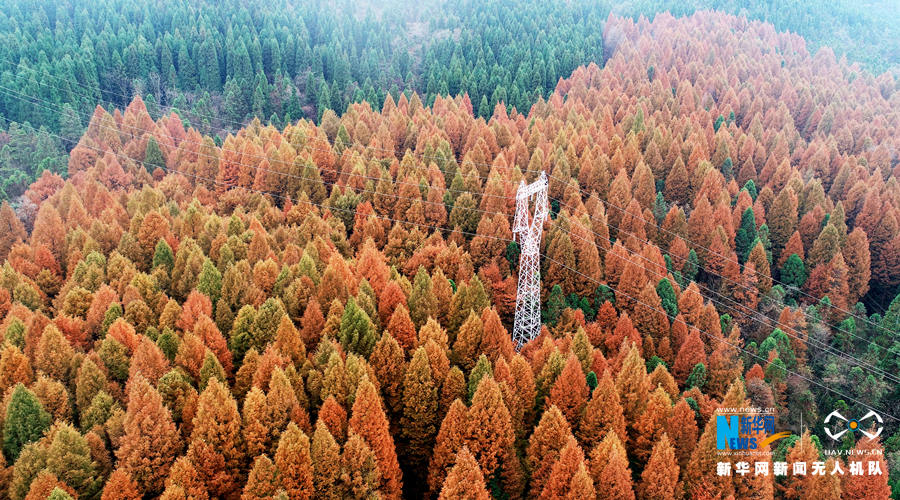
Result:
pixel 529 228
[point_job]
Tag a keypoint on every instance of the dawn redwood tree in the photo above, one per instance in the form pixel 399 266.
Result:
pixel 465 349
pixel 402 327
pixel 682 434
pixel 857 487
pixel 420 409
pixel 388 360
pixel 858 258
pixel 334 417
pixel 450 439
pixel 263 481
pixel 609 469
pixel 360 473
pixel 326 454
pixel 11 229
pixel 496 341
pixel 490 439
pixel 216 447
pixel 151 440
pixel 294 463
pixel 256 432
pixel 795 487
pixel 632 387
pixel 465 481
pixel 602 413
pixel 659 481
pixel 652 424
pixel 692 351
pixel 544 446
pixel 120 486
pixel 570 392
pixel 562 474
pixel 369 422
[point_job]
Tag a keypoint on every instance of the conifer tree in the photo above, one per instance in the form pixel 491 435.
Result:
pixel 659 481
pixel 691 353
pixel 571 461
pixel 870 485
pixel 682 432
pixel 465 349
pixel 360 471
pixel 797 486
pixel 325 453
pixel 295 463
pixel 54 354
pixel 570 391
pixel 69 458
pixel 185 482
pixel 216 447
pixel 450 439
pixel 389 363
pixel 402 327
pixel 544 447
pixel 120 486
pixel 465 481
pixel 256 432
pixel 11 228
pixel 632 387
pixel 151 440
pixel 26 420
pixel 334 417
pixel 370 423
pixel 496 342
pixel 652 424
pixel 148 360
pixel 264 480
pixel 45 484
pixel 491 439
pixel 602 413
pixel 420 406
pixel 610 471
pixel 356 332
pixel 281 403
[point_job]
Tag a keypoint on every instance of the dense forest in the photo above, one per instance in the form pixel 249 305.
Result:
pixel 322 308
pixel 218 65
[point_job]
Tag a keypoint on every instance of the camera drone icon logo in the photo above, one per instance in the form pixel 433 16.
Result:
pixel 853 425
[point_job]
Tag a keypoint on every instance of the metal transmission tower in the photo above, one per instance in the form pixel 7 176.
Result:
pixel 529 227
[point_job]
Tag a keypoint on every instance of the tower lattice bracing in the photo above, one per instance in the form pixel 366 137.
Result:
pixel 529 228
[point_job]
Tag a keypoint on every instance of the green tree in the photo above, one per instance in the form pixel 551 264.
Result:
pixel 26 421
pixel 210 281
pixel 153 156
pixel 357 333
pixel 667 297
pixel 745 237
pixel 555 305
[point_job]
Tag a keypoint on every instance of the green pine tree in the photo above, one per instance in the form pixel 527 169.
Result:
pixel 153 156
pixel 356 334
pixel 210 281
pixel 555 305
pixel 26 421
pixel 667 297
pixel 163 256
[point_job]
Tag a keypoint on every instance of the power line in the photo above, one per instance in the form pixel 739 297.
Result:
pixel 543 255
pixel 752 316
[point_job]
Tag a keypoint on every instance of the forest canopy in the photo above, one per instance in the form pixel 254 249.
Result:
pixel 321 307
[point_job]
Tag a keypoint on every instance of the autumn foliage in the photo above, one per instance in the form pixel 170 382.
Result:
pixel 724 224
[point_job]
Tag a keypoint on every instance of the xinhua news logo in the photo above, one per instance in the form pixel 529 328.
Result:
pixel 852 425
pixel 744 432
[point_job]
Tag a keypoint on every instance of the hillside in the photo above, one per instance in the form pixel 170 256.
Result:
pixel 323 310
